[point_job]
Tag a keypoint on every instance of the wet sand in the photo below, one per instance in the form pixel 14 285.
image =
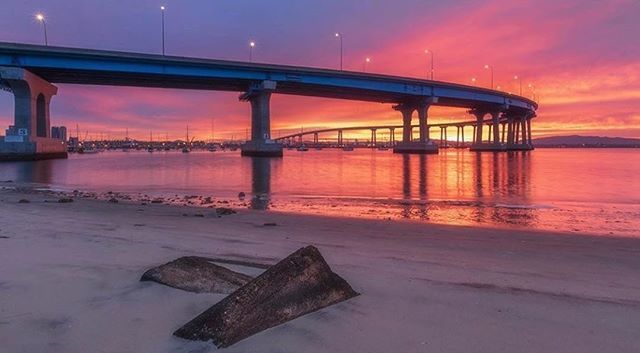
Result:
pixel 69 281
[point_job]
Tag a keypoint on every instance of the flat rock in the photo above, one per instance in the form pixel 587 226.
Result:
pixel 301 283
pixel 196 274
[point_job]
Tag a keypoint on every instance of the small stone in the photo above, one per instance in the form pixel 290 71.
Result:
pixel 24 201
pixel 224 211
pixel 241 195
pixel 200 215
pixel 113 200
pixel 65 200
pixel 270 224
pixel 159 200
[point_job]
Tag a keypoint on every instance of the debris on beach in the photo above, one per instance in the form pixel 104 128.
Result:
pixel 299 284
pixel 270 224
pixel 241 195
pixel 65 200
pixel 158 200
pixel 24 201
pixel 113 200
pixel 196 274
pixel 224 211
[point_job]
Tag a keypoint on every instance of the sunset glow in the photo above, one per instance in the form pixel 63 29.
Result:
pixel 574 57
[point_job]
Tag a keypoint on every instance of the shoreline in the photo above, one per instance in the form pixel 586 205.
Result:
pixel 388 209
pixel 69 281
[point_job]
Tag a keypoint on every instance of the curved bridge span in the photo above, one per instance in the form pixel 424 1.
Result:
pixel 517 144
pixel 29 71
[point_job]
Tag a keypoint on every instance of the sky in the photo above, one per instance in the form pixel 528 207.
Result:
pixel 581 58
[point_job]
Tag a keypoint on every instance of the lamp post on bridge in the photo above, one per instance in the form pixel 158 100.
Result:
pixel 339 36
pixel 490 67
pixel 366 62
pixel 519 79
pixel 427 51
pixel 162 8
pixel 40 17
pixel 252 45
pixel 473 81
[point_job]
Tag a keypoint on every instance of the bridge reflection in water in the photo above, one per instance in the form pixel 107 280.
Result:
pixel 471 188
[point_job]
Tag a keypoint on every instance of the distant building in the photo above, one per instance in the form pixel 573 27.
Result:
pixel 59 132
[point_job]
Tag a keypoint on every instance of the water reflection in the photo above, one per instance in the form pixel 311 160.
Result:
pixel 260 183
pixel 40 172
pixel 547 188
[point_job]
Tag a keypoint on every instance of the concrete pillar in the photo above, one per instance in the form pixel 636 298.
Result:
pixel 446 139
pixel 392 136
pixel 315 137
pixel 475 135
pixel 30 136
pixel 462 130
pixel 339 137
pixel 524 139
pixel 261 144
pixel 373 137
pixel 510 131
pixel 457 136
pixel 495 119
pixel 407 114
pixel 529 131
pixel 503 132
pixel 423 110
pixel 479 124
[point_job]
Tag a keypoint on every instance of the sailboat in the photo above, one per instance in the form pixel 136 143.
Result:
pixel 150 148
pixel 187 146
pixel 127 144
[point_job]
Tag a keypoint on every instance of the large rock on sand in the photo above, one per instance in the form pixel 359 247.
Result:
pixel 196 274
pixel 299 284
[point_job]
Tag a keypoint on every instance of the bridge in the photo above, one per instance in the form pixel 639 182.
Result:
pixel 30 72
pixel 518 142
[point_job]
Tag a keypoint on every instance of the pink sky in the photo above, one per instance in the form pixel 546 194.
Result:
pixel 581 56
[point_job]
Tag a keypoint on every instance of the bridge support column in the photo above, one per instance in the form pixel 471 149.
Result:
pixel 373 138
pixel 261 144
pixel 392 136
pixel 493 141
pixel 29 138
pixel 424 145
pixel 340 138
pixel 315 138
pixel 519 133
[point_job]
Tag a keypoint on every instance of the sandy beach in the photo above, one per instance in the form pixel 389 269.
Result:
pixel 69 281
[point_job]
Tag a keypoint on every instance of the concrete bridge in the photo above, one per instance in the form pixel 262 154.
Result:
pixel 29 71
pixel 512 135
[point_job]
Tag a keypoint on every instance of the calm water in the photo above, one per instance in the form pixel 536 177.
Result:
pixel 588 191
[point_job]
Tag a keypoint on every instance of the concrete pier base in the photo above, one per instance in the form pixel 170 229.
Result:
pixel 519 147
pixel 261 148
pixel 488 147
pixel 32 149
pixel 416 148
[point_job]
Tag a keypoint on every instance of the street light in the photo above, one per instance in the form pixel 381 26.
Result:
pixel 339 36
pixel 162 8
pixel 365 63
pixel 252 45
pixel 427 51
pixel 489 67
pixel 473 81
pixel 40 17
pixel 532 87
pixel 519 79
